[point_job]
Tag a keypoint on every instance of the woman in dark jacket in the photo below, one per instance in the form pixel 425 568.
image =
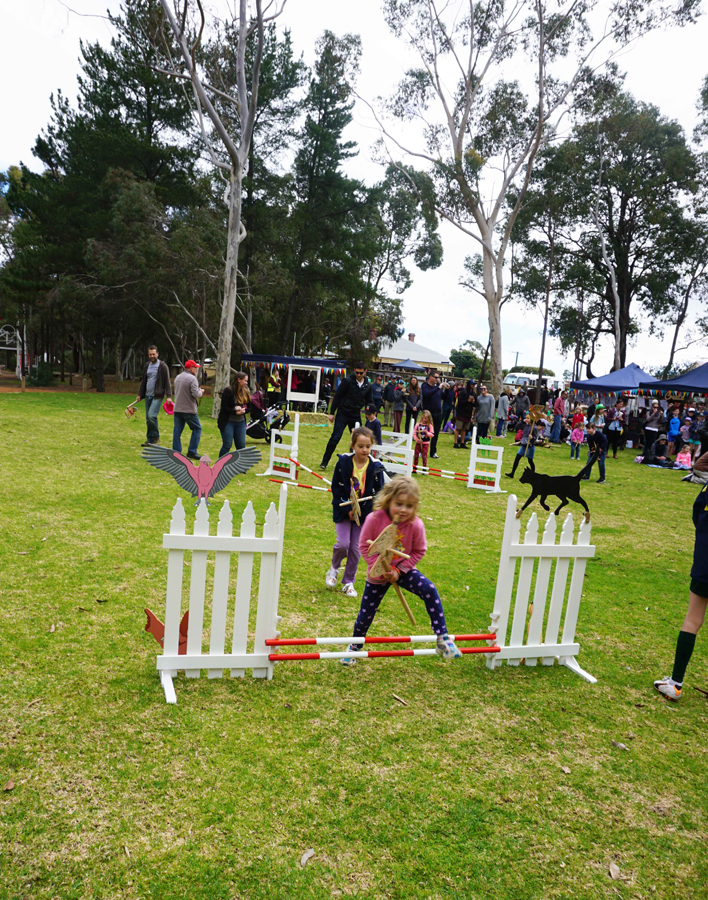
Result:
pixel 414 401
pixel 466 401
pixel 232 415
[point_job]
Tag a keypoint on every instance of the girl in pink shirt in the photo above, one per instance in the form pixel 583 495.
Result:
pixel 423 434
pixel 398 502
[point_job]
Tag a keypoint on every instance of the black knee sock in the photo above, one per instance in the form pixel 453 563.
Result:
pixel 515 466
pixel 684 648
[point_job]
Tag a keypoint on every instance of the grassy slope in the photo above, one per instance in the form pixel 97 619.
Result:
pixel 458 794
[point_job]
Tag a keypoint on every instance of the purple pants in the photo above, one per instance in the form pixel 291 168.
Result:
pixel 412 581
pixel 347 545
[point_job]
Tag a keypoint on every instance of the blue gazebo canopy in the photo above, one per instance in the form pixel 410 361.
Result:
pixel 695 381
pixel 297 362
pixel 628 379
pixel 408 364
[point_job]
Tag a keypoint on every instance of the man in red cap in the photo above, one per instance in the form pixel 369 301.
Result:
pixel 187 392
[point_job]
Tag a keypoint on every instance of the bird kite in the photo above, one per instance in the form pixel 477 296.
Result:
pixel 204 480
pixel 156 628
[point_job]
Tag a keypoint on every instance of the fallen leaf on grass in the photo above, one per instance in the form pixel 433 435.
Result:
pixel 105 600
pixel 565 770
pixel 308 854
pixel 288 706
pixel 33 702
pixel 400 699
pixel 9 786
pixel 615 873
pixel 43 540
pixel 82 608
pixel 619 745
pixel 52 629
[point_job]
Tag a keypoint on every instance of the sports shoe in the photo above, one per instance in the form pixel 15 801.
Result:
pixel 323 466
pixel 349 590
pixel 434 456
pixel 331 577
pixel 601 481
pixel 668 688
pixel 509 474
pixel 349 660
pixel 445 646
pixel 191 455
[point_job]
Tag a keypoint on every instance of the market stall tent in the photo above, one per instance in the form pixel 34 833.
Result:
pixel 293 363
pixel 627 380
pixel 695 381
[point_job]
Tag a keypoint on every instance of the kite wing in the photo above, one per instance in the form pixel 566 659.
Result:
pixel 178 466
pixel 234 463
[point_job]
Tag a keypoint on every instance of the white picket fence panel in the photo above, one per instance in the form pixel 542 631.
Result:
pixel 281 450
pixel 518 563
pixel 223 545
pixel 485 463
pixel 396 451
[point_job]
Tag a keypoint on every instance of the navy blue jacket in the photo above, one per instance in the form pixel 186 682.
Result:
pixel 375 426
pixel 597 443
pixel 699 570
pixel 432 397
pixel 342 486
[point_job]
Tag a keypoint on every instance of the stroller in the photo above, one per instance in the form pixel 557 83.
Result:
pixel 261 423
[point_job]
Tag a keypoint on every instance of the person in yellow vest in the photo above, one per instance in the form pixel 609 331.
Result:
pixel 274 387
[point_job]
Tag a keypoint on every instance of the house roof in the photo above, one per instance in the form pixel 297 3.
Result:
pixel 405 349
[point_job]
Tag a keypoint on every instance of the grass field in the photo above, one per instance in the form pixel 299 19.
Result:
pixel 459 794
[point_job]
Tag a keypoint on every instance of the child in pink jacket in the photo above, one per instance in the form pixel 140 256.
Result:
pixel 423 434
pixel 398 501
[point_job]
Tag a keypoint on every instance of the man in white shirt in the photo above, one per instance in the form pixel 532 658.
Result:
pixel 187 392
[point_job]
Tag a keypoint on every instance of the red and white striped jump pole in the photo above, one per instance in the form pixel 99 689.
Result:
pixel 453 476
pixel 408 639
pixel 310 487
pixel 303 466
pixel 364 654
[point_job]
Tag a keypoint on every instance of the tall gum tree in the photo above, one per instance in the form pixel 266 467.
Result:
pixel 227 139
pixel 481 129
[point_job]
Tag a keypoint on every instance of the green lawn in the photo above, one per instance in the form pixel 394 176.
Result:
pixel 459 794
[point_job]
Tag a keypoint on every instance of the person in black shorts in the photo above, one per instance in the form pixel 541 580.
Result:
pixel 671 687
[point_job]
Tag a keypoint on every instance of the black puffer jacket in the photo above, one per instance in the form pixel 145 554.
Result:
pixel 350 397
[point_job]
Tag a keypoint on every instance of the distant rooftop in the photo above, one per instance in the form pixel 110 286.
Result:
pixel 407 348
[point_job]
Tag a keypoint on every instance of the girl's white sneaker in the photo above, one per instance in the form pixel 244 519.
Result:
pixel 331 577
pixel 349 590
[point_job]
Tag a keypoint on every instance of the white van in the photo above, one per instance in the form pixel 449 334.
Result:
pixel 526 380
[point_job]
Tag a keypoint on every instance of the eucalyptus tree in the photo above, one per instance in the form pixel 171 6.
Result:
pixel 492 77
pixel 225 96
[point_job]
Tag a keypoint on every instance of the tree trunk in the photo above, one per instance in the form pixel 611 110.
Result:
pixel 545 322
pixel 119 361
pixel 100 374
pixel 228 306
pixel 491 293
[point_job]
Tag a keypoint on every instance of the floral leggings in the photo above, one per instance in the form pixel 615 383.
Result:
pixel 412 581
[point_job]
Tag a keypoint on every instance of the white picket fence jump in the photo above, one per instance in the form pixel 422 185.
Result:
pixel 518 628
pixel 485 466
pixel 396 451
pixel 526 639
pixel 283 452
pixel 223 545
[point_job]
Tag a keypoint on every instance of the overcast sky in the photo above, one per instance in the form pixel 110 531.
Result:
pixel 40 55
